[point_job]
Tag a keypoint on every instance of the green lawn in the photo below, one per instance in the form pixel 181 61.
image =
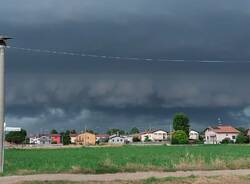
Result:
pixel 126 159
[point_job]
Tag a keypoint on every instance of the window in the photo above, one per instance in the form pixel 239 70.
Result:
pixel 233 136
pixel 226 134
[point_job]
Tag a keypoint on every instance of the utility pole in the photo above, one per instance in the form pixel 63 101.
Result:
pixel 2 99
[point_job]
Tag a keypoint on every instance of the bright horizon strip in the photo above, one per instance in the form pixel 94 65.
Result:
pixel 69 53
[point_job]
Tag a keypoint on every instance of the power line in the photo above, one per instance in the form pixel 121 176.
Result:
pixel 78 54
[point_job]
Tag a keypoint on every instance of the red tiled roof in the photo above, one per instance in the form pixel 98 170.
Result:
pixel 151 131
pixel 225 129
pixel 102 135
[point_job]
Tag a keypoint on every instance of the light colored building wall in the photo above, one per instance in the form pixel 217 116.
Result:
pixel 86 139
pixel 117 140
pixel 34 140
pixel 212 137
pixel 193 135
pixel 73 140
pixel 159 135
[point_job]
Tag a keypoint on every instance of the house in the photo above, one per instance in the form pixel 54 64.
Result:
pixel 86 138
pixel 102 138
pixel 214 135
pixel 34 139
pixel 248 132
pixel 154 135
pixel 129 138
pixel 55 138
pixel 45 138
pixel 193 135
pixel 117 139
pixel 73 138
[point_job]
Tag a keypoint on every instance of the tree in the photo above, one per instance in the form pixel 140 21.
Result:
pixel 179 137
pixel 242 129
pixel 241 138
pixel 65 136
pixel 113 131
pixel 16 137
pixel 53 131
pixel 134 130
pixel 181 122
pixel 73 131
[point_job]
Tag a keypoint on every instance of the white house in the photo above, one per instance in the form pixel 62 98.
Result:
pixel 73 138
pixel 214 135
pixel 34 140
pixel 193 135
pixel 45 139
pixel 117 139
pixel 154 135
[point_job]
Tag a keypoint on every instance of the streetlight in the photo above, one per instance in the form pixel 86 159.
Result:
pixel 2 99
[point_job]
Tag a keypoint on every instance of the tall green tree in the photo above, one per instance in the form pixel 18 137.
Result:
pixel 242 129
pixel 16 137
pixel 181 122
pixel 65 137
pixel 54 131
pixel 134 130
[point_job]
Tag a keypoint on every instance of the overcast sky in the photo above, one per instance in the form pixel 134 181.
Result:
pixel 46 91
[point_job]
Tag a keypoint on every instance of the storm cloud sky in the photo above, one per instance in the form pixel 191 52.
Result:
pixel 46 91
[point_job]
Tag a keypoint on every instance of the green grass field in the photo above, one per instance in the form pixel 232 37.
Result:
pixel 126 159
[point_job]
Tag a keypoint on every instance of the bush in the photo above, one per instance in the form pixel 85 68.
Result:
pixel 227 141
pixel 16 137
pixel 179 137
pixel 241 139
pixel 136 139
pixel 147 139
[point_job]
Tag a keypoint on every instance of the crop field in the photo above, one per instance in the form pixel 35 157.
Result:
pixel 126 159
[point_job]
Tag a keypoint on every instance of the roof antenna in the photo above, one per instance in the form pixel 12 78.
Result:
pixel 219 122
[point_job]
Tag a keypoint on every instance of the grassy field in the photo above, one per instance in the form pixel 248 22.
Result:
pixel 126 159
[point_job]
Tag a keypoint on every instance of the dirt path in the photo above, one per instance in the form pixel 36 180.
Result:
pixel 118 176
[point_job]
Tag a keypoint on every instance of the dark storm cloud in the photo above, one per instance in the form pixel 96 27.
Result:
pixel 45 91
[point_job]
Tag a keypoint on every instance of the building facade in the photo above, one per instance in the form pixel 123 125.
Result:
pixel 55 138
pixel 215 135
pixel 193 135
pixel 154 135
pixel 117 139
pixel 73 138
pixel 86 138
